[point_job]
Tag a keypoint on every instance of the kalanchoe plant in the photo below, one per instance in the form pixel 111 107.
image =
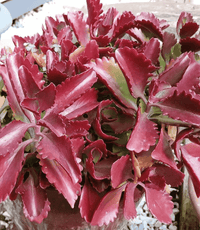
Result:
pixel 97 107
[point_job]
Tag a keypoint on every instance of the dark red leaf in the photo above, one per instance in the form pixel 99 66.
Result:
pixel 151 25
pixel 76 128
pixel 190 44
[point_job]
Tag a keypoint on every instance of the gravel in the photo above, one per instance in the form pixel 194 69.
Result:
pixel 30 24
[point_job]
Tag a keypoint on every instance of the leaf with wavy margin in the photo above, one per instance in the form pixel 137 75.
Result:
pixel 181 106
pixel 159 203
pixel 79 26
pixel 11 136
pixel 136 68
pixel 60 150
pixel 111 75
pixel 109 204
pixel 186 26
pixel 60 178
pixel 163 151
pixel 143 135
pixel 190 44
pixel 94 8
pixel 121 170
pixel 11 165
pixel 35 202
pixel 191 159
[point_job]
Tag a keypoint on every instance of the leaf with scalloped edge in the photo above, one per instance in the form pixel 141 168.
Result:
pixel 123 23
pixel 169 40
pixel 35 202
pixel 186 26
pixel 190 80
pixel 174 73
pixel 76 128
pixel 163 151
pixel 191 159
pixel 84 104
pixel 79 26
pixel 111 75
pixel 190 44
pixel 159 203
pixel 11 164
pixel 11 136
pixel 109 204
pixel 61 179
pixel 143 135
pixel 152 50
pixel 129 203
pixel 151 25
pixel 121 171
pixel 136 68
pixel 60 150
pixel 94 8
pixel 181 106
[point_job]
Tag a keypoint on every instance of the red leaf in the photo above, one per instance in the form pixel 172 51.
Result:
pixel 190 44
pixel 97 122
pixel 186 26
pixel 169 41
pixel 111 75
pixel 136 69
pixel 163 151
pixel 76 128
pixel 181 107
pixel 129 203
pixel 152 50
pixel 174 73
pixel 79 27
pixel 98 144
pixel 36 204
pixel 60 178
pixel 100 170
pixel 11 165
pixel 28 84
pixel 121 171
pixel 60 150
pixel 191 158
pixel 151 25
pixel 11 136
pixel 89 200
pixel 189 80
pixel 109 204
pixel 159 203
pixel 144 134
pixel 123 23
pixel 172 176
pixel 94 8
pixel 71 89
pixel 84 104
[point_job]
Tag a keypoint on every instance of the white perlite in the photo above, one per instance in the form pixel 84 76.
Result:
pixel 30 24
